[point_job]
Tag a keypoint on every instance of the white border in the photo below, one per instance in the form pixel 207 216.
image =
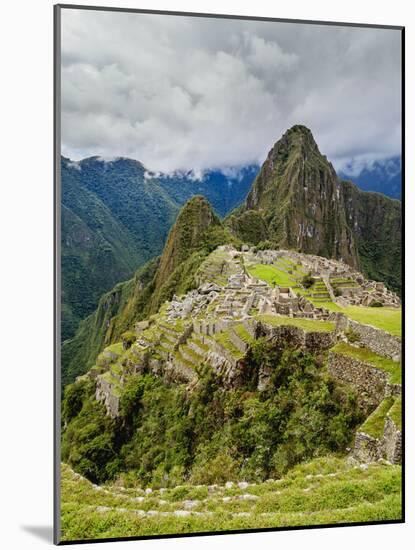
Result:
pixel 27 260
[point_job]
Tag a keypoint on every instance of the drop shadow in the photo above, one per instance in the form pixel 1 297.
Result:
pixel 43 532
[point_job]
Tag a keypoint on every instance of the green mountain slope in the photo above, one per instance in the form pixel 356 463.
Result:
pixel 113 221
pixel 328 490
pixel 377 222
pixel 227 405
pixel 116 216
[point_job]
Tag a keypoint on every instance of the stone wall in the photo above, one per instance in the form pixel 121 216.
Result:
pixel 375 339
pixel 291 336
pixel 392 442
pixel 369 381
pixel 238 342
pixel 366 448
pixel 389 446
pixel 105 394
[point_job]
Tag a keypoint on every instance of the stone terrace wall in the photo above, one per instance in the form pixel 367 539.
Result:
pixel 291 336
pixel 389 446
pixel 370 382
pixel 377 340
pixel 366 448
pixel 392 442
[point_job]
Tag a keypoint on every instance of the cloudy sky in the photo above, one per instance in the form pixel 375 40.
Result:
pixel 187 93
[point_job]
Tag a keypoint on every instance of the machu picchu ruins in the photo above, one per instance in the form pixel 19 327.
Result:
pixel 217 323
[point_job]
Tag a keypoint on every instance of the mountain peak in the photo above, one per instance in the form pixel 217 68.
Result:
pixel 296 138
pixel 187 234
pixel 298 195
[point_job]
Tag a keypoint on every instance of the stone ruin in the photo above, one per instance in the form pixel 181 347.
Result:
pixel 204 313
pixel 243 296
pixel 345 285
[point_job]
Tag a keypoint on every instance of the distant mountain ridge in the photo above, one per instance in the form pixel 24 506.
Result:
pixel 116 216
pixel 382 177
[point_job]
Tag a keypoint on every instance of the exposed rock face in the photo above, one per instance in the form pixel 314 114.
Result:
pixel 304 205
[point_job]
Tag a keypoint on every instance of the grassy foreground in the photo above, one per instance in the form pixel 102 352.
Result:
pixel 324 491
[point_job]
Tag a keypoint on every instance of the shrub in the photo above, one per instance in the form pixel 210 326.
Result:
pixel 220 469
pixel 307 281
pixel 265 245
pixel 128 339
pixel 352 336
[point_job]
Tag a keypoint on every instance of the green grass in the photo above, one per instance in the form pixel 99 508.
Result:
pixel 116 348
pixel 243 333
pixel 395 413
pixel 387 319
pixel 393 368
pixel 193 354
pixel 374 425
pixel 179 357
pixel 198 341
pixel 324 491
pixel 223 339
pixel 216 268
pixel 331 306
pixel 271 274
pixel 309 325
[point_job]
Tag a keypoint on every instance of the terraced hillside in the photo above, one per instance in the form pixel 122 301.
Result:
pixel 328 490
pixel 257 372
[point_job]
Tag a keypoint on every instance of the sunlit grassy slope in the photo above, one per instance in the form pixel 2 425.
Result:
pixel 271 275
pixel 325 491
pixel 388 319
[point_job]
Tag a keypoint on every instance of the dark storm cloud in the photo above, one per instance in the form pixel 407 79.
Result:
pixel 193 93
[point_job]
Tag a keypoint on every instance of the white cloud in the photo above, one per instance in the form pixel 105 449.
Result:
pixel 184 93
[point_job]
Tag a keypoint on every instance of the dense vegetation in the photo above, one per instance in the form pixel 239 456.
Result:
pixel 166 435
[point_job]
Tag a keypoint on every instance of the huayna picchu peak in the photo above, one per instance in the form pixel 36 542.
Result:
pixel 298 201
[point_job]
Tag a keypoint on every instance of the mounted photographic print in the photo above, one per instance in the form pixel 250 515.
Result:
pixel 229 253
